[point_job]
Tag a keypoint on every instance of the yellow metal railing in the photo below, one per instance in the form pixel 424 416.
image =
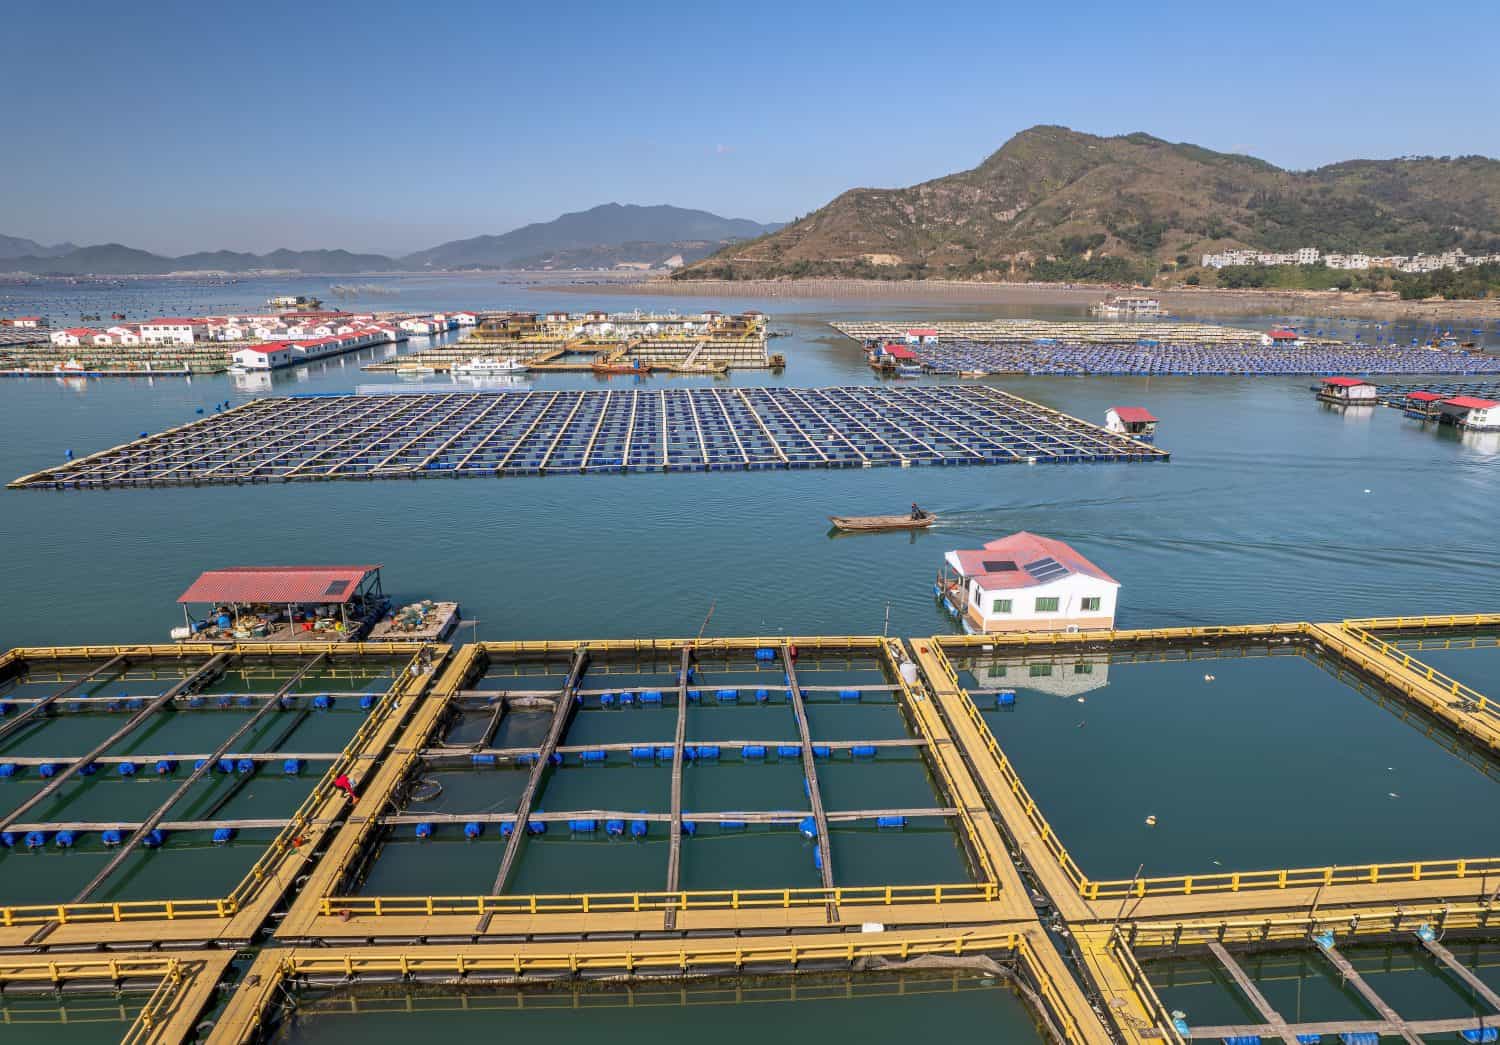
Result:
pixel 1458 690
pixel 894 654
pixel 685 900
pixel 124 911
pixel 1366 920
pixel 1008 773
pixel 149 1020
pixel 287 840
pixel 1065 1019
pixel 1291 878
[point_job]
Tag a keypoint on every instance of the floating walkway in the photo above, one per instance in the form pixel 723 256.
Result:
pixel 584 431
pixel 1395 395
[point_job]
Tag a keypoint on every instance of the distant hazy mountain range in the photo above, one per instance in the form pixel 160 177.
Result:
pixel 604 236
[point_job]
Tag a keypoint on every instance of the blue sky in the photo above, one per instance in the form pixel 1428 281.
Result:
pixel 397 125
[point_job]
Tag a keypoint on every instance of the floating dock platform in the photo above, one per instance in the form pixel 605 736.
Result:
pixel 347 436
pixel 524 762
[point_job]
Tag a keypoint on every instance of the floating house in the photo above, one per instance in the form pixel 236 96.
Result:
pixel 922 336
pixel 173 331
pixel 1422 405
pixel 1026 582
pixel 1348 391
pixel 1281 338
pixel 1479 415
pixel 72 337
pixel 1134 421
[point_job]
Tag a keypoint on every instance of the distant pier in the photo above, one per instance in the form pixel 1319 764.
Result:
pixel 435 435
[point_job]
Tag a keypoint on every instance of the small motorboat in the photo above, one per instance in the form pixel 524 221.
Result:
pixel 883 522
pixel 481 366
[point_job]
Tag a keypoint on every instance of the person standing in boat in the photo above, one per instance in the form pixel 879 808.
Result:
pixel 917 514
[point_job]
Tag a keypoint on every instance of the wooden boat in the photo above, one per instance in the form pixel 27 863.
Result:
pixel 620 368
pixel 882 522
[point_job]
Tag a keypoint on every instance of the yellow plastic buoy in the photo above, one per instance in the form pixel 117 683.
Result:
pixel 1150 821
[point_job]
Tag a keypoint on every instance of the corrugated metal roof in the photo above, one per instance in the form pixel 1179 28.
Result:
pixel 1132 414
pixel 1024 560
pixel 278 585
pixel 1471 403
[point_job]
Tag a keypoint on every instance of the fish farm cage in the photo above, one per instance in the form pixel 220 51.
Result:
pixel 1295 689
pixel 714 811
pixel 164 792
pixel 465 434
pixel 668 783
pixel 1149 359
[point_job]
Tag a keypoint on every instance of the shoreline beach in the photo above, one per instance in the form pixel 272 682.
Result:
pixel 1189 301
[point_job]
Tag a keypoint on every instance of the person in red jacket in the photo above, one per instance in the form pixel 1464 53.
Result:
pixel 344 784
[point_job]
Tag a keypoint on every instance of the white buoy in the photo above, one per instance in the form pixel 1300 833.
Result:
pixel 1151 821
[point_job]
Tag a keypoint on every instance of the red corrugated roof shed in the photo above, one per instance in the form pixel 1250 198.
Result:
pixel 1344 382
pixel 1283 335
pixel 1424 397
pixel 278 585
pixel 900 352
pixel 1471 403
pixel 1133 414
pixel 922 332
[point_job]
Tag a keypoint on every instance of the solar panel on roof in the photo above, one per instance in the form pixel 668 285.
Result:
pixel 998 565
pixel 336 588
pixel 1046 569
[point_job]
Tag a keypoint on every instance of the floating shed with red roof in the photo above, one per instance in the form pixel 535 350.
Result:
pixel 1134 421
pixel 1348 391
pixel 1471 412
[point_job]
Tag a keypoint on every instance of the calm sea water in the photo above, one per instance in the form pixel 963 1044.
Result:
pixel 1273 508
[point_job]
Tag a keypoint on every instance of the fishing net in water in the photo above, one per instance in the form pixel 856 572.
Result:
pixel 424 790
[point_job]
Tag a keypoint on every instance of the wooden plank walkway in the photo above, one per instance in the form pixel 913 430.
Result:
pixel 679 737
pixel 810 774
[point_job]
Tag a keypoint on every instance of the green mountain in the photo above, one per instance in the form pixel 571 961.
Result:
pixel 1053 203
pixel 646 229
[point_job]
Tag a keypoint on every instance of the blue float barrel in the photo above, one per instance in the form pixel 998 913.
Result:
pixel 689 827
pixel 473 829
pixel 154 839
pixel 708 752
pixel 291 767
pixel 1005 698
pixel 808 826
pixel 65 839
pixel 606 700
pixel 7 770
pixel 694 696
pixel 111 837
pixel 165 767
pixel 536 827
pixel 126 769
pixel 593 756
pixel 47 769
pixel 367 701
pixel 614 827
pixel 322 702
pixel 223 835
pixel 36 839
pixel 583 824
pixel 849 694
pixel 245 766
pixel 890 821
pixel 727 696
pixel 482 759
pixel 821 751
pixel 762 696
pixel 651 696
pixel 789 751
pixel 643 752
pixel 732 825
pixel 638 829
pixel 753 752
pixel 863 751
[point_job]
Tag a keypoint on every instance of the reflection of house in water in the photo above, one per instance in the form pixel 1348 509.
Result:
pixel 1057 675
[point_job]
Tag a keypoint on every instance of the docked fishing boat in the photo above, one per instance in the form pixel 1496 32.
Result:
pixel 72 366
pixel 481 366
pixel 883 522
pixel 599 366
pixel 415 371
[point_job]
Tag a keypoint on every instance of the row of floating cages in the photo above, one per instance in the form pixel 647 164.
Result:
pixel 530 432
